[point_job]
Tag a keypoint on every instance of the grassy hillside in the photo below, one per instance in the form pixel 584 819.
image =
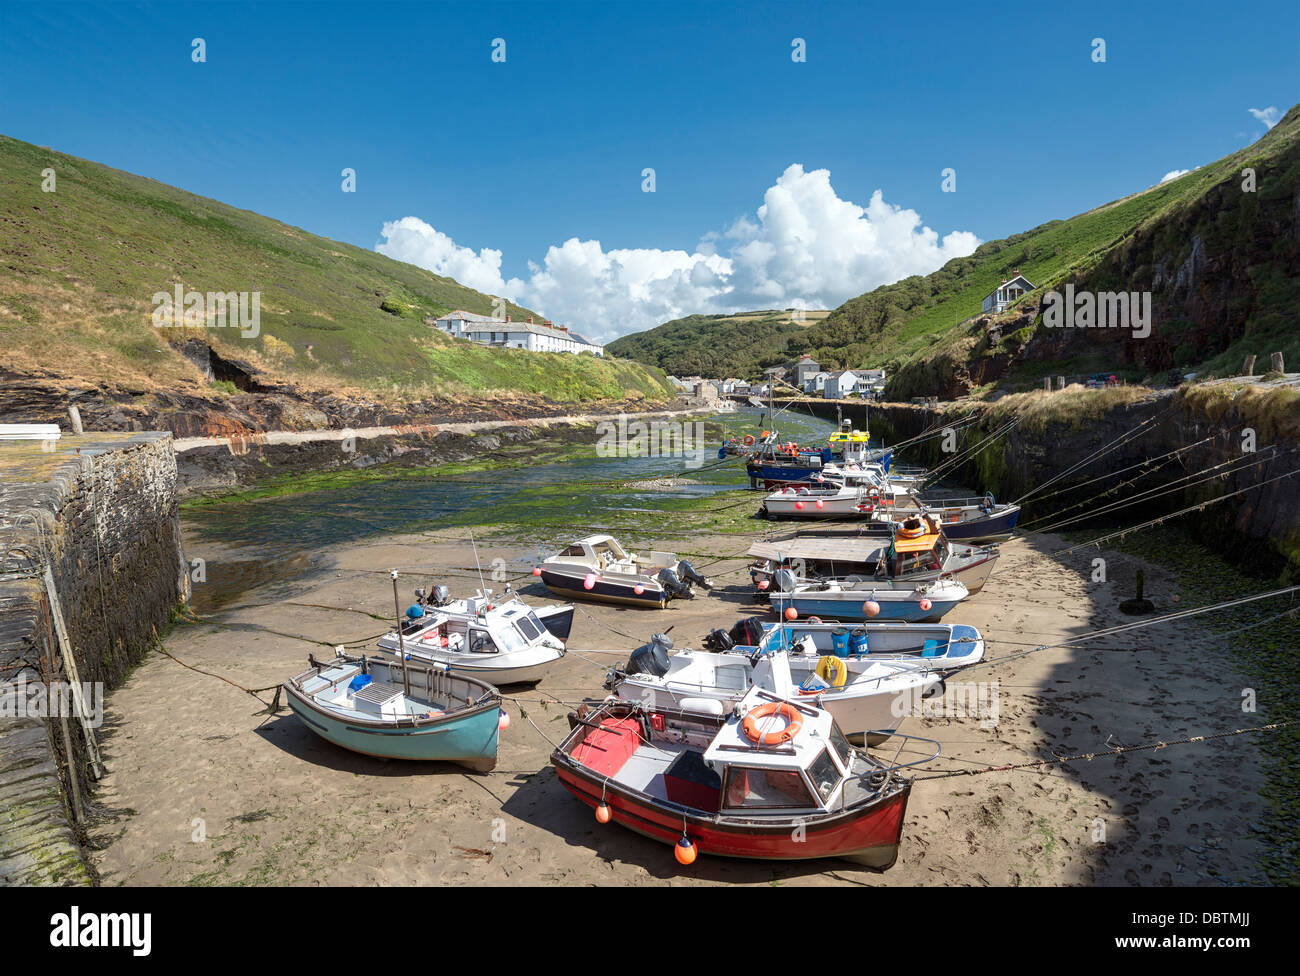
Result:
pixel 716 346
pixel 1223 266
pixel 81 266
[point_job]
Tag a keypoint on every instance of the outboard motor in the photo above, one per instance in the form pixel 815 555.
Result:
pixel 748 632
pixel 441 596
pixel 687 572
pixel 783 581
pixel 673 586
pixel 651 658
pixel 719 640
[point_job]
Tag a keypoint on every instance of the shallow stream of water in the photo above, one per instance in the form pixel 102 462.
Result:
pixel 249 543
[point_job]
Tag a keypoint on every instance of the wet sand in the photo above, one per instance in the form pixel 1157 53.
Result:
pixel 206 788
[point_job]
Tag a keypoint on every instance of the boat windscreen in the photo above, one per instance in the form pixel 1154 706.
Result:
pixel 530 627
pixel 841 745
pixel 825 777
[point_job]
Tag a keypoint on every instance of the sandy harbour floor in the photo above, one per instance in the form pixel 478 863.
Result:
pixel 205 788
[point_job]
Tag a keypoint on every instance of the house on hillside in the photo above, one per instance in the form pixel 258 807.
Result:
pixel 853 382
pixel 454 323
pixel 530 335
pixel 871 381
pixel 1006 293
pixel 815 384
pixel 803 369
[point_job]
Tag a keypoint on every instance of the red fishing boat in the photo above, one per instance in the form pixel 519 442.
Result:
pixel 773 779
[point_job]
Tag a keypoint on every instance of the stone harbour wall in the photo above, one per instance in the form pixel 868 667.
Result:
pixel 100 510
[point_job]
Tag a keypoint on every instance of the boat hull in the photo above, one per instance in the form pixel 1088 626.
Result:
pixel 993 528
pixel 468 739
pixel 868 836
pixel 604 591
pixel 848 606
pixel 558 620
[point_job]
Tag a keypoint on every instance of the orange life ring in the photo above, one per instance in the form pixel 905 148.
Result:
pixel 912 531
pixel 749 440
pixel 793 723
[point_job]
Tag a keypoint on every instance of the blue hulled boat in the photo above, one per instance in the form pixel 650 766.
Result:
pixel 399 711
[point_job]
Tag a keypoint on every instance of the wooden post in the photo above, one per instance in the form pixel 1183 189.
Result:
pixel 74 679
pixel 1047 383
pixel 1248 369
pixel 1060 382
pixel 75 416
pixel 1278 366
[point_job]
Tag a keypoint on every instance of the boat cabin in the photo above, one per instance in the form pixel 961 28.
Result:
pixel 718 765
pixel 473 626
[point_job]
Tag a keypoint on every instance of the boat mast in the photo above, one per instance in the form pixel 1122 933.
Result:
pixel 401 643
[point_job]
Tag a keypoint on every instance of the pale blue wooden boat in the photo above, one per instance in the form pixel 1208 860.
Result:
pixel 379 708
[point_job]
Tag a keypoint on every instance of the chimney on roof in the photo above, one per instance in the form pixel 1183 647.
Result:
pixel 1016 273
pixel 1004 281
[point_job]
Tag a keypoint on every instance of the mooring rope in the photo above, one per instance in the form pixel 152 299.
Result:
pixel 1191 508
pixel 1097 754
pixel 1193 479
pixel 1102 451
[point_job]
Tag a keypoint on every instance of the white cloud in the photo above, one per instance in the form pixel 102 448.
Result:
pixel 1268 116
pixel 803 247
pixel 415 242
pixel 1173 174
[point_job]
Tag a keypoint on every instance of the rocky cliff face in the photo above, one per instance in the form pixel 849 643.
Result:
pixel 1261 526
pixel 256 406
pixel 1223 271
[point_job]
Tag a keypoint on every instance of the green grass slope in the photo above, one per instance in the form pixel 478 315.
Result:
pixel 81 265
pixel 1221 262
pixel 716 346
pixel 916 322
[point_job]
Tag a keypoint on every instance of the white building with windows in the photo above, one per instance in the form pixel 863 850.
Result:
pixel 1006 293
pixel 853 382
pixel 530 335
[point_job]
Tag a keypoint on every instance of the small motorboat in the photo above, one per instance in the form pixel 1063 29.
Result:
pixel 888 555
pixel 856 598
pixel 772 779
pixel 946 647
pixel 816 501
pixel 864 694
pixel 396 711
pixel 973 520
pixel 598 568
pixel 501 640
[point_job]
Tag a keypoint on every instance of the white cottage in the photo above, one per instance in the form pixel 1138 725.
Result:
pixel 1006 293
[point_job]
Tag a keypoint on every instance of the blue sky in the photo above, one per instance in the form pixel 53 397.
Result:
pixel 549 147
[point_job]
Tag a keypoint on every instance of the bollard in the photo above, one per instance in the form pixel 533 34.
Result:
pixel 1249 368
pixel 1060 382
pixel 1278 366
pixel 75 416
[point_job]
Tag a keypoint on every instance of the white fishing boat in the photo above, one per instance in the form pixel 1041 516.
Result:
pixel 501 640
pixel 817 501
pixel 869 697
pixel 598 568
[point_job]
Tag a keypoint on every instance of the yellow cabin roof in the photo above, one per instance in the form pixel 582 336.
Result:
pixel 921 543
